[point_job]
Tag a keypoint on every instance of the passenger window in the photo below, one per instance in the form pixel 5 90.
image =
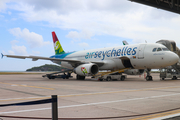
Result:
pixel 159 49
pixel 154 50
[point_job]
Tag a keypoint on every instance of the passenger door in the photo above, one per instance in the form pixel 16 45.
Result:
pixel 141 51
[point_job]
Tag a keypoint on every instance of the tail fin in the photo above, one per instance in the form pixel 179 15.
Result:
pixel 57 46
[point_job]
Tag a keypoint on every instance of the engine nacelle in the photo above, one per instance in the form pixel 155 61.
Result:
pixel 87 69
pixel 134 72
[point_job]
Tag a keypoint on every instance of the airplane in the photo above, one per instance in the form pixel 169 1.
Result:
pixel 89 62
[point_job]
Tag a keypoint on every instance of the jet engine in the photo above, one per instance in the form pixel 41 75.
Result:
pixel 134 72
pixel 87 69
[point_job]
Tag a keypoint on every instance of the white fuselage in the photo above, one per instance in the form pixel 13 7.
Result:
pixel 138 56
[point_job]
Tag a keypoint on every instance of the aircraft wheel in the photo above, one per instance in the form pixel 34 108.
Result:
pixel 78 77
pixel 82 77
pixel 174 78
pixel 122 78
pixel 149 78
pixel 100 79
pixel 51 77
pixel 108 79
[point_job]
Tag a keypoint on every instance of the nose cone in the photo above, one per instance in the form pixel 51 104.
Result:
pixel 173 58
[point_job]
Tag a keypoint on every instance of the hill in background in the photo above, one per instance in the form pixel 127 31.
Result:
pixel 47 67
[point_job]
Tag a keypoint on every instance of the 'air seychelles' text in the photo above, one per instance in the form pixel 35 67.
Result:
pixel 110 53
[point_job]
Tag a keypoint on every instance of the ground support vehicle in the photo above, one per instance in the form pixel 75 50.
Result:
pixel 169 73
pixel 64 75
pixel 113 76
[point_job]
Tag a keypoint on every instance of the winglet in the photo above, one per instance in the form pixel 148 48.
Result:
pixel 2 55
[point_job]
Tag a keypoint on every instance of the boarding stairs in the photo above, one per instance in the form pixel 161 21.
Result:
pixel 171 45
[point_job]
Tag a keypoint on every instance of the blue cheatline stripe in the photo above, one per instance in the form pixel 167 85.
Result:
pixel 61 56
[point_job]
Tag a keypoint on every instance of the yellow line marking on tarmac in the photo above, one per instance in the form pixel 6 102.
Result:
pixel 85 94
pixel 157 115
pixel 26 86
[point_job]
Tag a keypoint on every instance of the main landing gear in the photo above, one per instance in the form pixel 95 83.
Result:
pixel 78 77
pixel 148 77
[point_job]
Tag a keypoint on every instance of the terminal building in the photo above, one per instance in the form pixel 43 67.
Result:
pixel 169 5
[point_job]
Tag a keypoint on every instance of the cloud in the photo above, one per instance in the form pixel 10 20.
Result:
pixel 88 18
pixel 33 39
pixel 3 4
pixel 35 52
pixel 84 45
pixel 73 34
pixel 3 52
pixel 13 42
pixel 21 50
pixel 84 34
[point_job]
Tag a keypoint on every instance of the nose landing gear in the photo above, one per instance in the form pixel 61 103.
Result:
pixel 149 77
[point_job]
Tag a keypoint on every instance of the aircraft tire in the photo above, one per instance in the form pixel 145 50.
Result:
pixel 78 77
pixel 108 79
pixel 82 77
pixel 122 78
pixel 100 79
pixel 148 78
pixel 174 78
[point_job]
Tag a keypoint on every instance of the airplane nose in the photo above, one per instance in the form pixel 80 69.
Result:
pixel 174 58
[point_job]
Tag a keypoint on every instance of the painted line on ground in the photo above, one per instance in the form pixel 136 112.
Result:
pixel 168 116
pixel 26 86
pixel 84 94
pixel 88 104
pixel 159 116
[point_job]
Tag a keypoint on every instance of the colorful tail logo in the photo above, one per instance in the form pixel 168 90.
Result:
pixel 57 46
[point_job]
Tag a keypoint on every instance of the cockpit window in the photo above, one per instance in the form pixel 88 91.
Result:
pixel 154 50
pixel 159 49
pixel 165 49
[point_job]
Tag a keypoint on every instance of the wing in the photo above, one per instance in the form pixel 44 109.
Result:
pixel 74 63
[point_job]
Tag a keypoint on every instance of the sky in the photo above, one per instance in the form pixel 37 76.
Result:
pixel 26 26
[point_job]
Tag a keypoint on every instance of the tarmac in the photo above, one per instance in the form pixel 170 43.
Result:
pixel 132 99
